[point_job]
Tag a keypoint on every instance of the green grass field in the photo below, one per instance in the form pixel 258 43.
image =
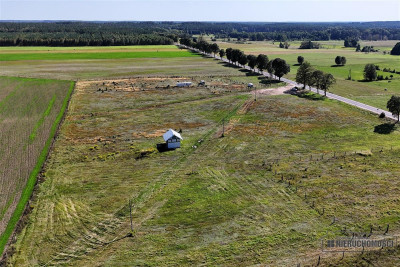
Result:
pixel 94 55
pixel 372 93
pixel 237 200
pixel 265 194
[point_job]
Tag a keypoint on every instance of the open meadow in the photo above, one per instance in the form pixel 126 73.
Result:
pixel 263 194
pixel 30 111
pixel 288 171
pixel 83 63
pixel 371 93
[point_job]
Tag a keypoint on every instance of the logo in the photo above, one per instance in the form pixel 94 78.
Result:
pixel 358 243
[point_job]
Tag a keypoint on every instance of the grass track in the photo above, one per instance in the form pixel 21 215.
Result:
pixel 94 55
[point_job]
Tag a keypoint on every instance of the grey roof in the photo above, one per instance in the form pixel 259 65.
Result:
pixel 170 133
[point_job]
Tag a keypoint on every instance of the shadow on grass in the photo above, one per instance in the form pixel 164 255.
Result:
pixel 297 64
pixel 225 64
pixel 310 95
pixel 336 66
pixel 162 147
pixel 267 81
pixel 249 72
pixel 385 128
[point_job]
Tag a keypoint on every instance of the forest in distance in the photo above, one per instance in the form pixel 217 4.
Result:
pixel 76 33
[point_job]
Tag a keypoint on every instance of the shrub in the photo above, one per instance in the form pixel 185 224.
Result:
pixel 382 115
pixel 396 49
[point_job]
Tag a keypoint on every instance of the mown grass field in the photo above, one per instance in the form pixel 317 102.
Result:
pixel 30 111
pixel 254 196
pixel 85 63
pixel 372 93
pixel 95 55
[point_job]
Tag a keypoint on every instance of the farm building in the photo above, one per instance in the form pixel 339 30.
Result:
pixel 183 84
pixel 173 139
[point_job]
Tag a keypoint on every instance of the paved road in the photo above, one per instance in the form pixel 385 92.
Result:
pixel 329 95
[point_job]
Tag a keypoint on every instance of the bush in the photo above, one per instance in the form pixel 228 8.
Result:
pixel 309 45
pixel 380 77
pixel 382 115
pixel 370 72
pixel 396 49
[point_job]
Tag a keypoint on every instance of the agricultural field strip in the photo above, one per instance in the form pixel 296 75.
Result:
pixel 94 55
pixel 27 186
pixel 329 95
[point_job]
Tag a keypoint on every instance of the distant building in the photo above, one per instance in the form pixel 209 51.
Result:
pixel 173 139
pixel 250 85
pixel 183 84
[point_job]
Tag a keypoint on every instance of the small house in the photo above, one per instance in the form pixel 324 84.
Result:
pixel 183 84
pixel 173 139
pixel 250 85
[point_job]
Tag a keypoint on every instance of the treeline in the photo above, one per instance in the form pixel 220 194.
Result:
pixel 85 34
pixel 67 33
pixel 296 31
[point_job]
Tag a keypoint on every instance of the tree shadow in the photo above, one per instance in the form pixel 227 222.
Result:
pixel 229 65
pixel 267 81
pixel 385 128
pixel 249 72
pixel 365 81
pixel 336 66
pixel 297 64
pixel 310 95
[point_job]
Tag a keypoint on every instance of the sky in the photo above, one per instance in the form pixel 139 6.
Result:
pixel 202 10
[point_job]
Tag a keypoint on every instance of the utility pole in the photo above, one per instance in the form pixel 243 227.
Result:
pixel 223 127
pixel 130 213
pixel 255 94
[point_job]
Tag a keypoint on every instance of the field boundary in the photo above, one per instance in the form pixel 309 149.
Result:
pixel 31 182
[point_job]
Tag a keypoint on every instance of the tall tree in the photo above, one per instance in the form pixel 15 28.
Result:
pixel 300 59
pixel 280 67
pixel 327 81
pixel 222 53
pixel 343 61
pixel 252 61
pixel 236 54
pixel 270 70
pixel 304 73
pixel 317 78
pixel 243 59
pixel 396 49
pixel 229 54
pixel 262 61
pixel 370 72
pixel 214 48
pixel 338 60
pixel 393 105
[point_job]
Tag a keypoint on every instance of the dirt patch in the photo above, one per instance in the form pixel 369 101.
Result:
pixel 275 91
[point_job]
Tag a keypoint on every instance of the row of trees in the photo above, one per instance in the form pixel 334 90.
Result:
pixel 309 76
pixel 277 67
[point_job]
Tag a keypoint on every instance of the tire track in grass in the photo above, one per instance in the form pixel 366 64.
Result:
pixel 82 246
pixel 46 113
